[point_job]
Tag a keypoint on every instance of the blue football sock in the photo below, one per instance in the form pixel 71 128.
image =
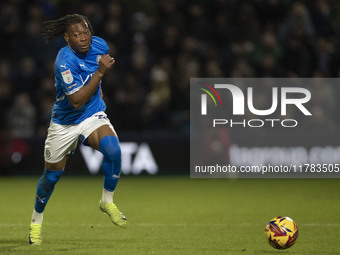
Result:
pixel 109 146
pixel 45 188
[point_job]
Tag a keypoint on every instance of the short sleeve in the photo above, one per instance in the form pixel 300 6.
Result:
pixel 69 76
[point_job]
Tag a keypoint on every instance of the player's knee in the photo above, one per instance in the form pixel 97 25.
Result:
pixel 109 146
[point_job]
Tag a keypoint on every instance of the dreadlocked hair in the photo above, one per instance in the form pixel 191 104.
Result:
pixel 54 28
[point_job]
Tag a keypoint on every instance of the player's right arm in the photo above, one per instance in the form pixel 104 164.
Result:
pixel 79 98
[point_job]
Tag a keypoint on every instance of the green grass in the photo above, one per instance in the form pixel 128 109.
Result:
pixel 172 215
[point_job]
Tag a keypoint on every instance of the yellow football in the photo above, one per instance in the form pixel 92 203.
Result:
pixel 281 232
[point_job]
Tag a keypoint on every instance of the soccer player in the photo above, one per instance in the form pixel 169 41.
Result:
pixel 78 114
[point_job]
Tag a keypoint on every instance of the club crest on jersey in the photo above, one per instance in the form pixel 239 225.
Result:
pixel 67 76
pixel 98 58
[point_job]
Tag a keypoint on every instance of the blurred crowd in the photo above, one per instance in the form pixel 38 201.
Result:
pixel 158 45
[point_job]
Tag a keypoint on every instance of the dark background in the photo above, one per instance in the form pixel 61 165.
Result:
pixel 158 46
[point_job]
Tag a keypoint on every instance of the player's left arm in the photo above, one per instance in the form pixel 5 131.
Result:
pixel 83 95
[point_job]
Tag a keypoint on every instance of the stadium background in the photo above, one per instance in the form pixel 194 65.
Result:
pixel 158 46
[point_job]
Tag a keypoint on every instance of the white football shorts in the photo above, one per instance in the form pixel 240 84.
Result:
pixel 63 139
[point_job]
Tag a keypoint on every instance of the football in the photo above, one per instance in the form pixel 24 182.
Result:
pixel 281 232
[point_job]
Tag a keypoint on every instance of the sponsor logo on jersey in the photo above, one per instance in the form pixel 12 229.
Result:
pixel 67 76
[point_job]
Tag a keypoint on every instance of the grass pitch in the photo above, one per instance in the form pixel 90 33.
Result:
pixel 172 215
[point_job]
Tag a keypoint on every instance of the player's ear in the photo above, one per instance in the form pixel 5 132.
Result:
pixel 67 39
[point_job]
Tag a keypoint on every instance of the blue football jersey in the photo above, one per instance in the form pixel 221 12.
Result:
pixel 72 72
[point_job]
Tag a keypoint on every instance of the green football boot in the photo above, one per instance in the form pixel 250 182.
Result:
pixel 116 216
pixel 35 237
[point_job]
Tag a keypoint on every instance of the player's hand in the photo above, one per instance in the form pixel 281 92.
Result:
pixel 105 62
